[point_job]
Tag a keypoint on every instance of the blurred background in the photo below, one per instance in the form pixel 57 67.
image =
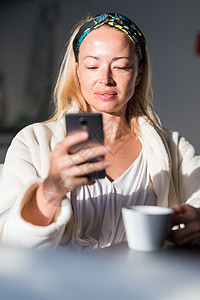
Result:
pixel 33 35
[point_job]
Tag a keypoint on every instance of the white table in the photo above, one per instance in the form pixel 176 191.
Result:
pixel 111 273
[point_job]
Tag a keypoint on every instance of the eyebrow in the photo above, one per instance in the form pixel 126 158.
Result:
pixel 90 56
pixel 121 57
pixel 114 59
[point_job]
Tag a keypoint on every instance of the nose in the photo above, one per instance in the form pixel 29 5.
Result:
pixel 106 77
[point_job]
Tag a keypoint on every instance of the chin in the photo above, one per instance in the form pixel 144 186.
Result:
pixel 106 108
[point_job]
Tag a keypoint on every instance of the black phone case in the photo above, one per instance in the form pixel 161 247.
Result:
pixel 92 123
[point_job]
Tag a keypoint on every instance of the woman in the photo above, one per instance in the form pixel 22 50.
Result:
pixel 105 70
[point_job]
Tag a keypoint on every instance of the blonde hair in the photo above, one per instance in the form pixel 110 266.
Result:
pixel 67 89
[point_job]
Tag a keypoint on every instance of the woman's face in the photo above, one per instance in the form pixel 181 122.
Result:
pixel 108 70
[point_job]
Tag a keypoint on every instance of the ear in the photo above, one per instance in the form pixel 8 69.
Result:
pixel 139 75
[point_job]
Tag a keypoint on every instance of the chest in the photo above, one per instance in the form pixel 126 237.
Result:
pixel 121 156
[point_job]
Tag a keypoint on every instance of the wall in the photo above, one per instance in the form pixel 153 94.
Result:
pixel 170 28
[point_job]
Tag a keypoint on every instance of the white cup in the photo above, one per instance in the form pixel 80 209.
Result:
pixel 146 227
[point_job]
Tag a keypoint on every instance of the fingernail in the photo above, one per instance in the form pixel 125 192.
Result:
pixel 84 134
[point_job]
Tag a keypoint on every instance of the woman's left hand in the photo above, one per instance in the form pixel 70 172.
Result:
pixel 187 218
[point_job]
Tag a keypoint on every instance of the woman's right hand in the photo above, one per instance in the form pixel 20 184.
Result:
pixel 67 172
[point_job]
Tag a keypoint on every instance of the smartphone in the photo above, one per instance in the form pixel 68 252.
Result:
pixel 92 123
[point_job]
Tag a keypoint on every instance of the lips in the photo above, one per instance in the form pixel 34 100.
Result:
pixel 106 94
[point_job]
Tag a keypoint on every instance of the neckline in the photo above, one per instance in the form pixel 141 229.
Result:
pixel 126 171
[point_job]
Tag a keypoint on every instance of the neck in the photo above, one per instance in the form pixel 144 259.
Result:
pixel 115 128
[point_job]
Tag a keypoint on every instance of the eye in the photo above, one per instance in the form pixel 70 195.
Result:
pixel 121 68
pixel 91 67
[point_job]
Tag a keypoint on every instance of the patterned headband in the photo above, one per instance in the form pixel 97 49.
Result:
pixel 115 20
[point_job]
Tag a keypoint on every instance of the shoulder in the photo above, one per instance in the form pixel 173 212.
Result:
pixel 172 139
pixel 175 139
pixel 42 129
pixel 40 134
pixel 149 130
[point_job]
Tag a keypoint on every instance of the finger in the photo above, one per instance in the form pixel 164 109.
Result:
pixel 177 209
pixel 187 233
pixel 187 215
pixel 70 183
pixel 71 140
pixel 67 161
pixel 89 154
pixel 189 239
pixel 87 168
pixel 181 209
pixel 177 214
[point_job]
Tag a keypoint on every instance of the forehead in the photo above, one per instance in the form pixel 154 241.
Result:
pixel 106 38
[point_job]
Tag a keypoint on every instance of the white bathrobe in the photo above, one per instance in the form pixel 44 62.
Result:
pixel 173 165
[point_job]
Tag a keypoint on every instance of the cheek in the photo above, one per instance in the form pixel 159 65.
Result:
pixel 129 93
pixel 85 80
pixel 82 83
pixel 86 86
pixel 128 85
